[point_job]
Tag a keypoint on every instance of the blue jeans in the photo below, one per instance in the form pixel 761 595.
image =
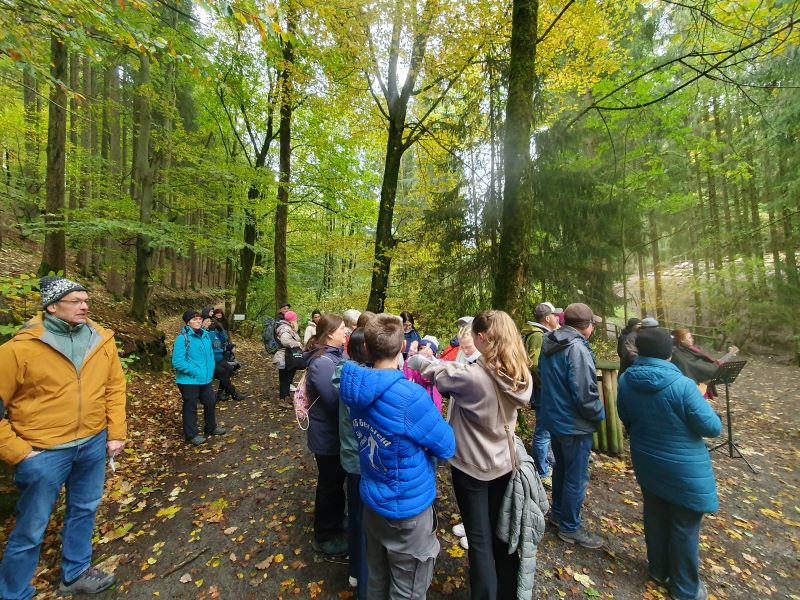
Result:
pixel 356 539
pixel 672 534
pixel 570 478
pixel 39 479
pixel 540 449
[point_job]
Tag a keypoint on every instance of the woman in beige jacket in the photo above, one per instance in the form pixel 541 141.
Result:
pixel 482 465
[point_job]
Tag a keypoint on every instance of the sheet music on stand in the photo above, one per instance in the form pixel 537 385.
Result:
pixel 728 372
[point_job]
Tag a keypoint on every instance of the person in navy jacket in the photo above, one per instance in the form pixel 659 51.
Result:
pixel 399 433
pixel 193 361
pixel 667 419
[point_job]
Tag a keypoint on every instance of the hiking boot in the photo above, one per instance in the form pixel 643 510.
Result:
pixel 221 396
pixel 584 538
pixel 553 520
pixel 662 581
pixel 218 431
pixel 238 396
pixel 702 594
pixel 91 581
pixel 197 440
pixel 334 547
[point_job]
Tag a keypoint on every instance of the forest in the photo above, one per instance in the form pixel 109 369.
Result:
pixel 435 155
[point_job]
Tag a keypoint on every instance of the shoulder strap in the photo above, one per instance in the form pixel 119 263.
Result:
pixel 509 436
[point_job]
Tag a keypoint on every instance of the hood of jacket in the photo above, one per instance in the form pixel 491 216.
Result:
pixel 560 339
pixel 649 375
pixel 367 384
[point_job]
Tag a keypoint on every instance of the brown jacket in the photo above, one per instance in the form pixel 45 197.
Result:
pixel 47 403
pixel 474 414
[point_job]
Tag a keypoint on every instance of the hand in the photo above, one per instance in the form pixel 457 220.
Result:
pixel 115 447
pixel 32 453
pixel 412 350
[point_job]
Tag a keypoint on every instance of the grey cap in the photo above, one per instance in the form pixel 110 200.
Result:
pixel 649 322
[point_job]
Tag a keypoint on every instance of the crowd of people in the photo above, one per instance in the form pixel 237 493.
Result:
pixel 385 406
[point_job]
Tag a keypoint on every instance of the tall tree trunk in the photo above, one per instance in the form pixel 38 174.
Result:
pixel 247 255
pixel 116 146
pixel 696 290
pixel 30 165
pixel 789 249
pixel 714 224
pixel 510 280
pixel 54 255
pixel 86 153
pixel 642 283
pixel 658 294
pixel 284 176
pixel 397 99
pixel 143 175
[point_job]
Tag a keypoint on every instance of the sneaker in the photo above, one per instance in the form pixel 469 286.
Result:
pixel 197 440
pixel 334 547
pixel 352 581
pixel 91 581
pixel 218 431
pixel 459 531
pixel 464 543
pixel 584 538
pixel 702 594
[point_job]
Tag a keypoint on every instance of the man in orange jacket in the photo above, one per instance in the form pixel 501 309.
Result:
pixel 63 390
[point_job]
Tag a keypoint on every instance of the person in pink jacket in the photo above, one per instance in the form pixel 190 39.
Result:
pixel 428 347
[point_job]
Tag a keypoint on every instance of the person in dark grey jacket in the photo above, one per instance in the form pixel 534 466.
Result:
pixel 571 411
pixel 323 434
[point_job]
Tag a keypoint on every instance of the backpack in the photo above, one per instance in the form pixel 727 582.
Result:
pixel 301 403
pixel 271 344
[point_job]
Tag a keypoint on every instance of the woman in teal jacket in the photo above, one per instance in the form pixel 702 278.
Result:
pixel 667 419
pixel 193 361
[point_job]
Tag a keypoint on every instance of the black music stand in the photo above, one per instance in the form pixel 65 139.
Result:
pixel 727 374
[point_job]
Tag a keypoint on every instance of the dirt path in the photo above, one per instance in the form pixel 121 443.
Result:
pixel 232 519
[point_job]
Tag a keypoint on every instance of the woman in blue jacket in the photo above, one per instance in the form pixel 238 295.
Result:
pixel 326 351
pixel 667 419
pixel 193 361
pixel 409 333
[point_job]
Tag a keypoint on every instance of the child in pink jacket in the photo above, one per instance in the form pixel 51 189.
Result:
pixel 429 346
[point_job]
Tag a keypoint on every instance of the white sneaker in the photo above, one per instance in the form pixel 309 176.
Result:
pixel 458 530
pixel 292 387
pixel 464 543
pixel 352 581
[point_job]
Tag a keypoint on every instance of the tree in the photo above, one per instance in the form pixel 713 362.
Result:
pixel 54 255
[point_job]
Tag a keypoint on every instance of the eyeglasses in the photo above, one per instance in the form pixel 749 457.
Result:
pixel 87 302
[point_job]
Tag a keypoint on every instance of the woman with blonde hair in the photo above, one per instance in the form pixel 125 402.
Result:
pixel 484 398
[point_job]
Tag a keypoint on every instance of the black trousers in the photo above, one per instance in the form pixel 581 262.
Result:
pixel 223 371
pixel 191 395
pixel 492 571
pixel 285 377
pixel 329 500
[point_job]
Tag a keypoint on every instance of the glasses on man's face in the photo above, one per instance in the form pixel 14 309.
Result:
pixel 87 302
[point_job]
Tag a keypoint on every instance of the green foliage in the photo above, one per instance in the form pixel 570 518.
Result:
pixel 16 306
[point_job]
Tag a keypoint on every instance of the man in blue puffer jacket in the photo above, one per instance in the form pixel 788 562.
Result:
pixel 193 361
pixel 399 431
pixel 571 410
pixel 667 418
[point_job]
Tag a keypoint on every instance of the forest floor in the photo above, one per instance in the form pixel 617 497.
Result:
pixel 233 518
